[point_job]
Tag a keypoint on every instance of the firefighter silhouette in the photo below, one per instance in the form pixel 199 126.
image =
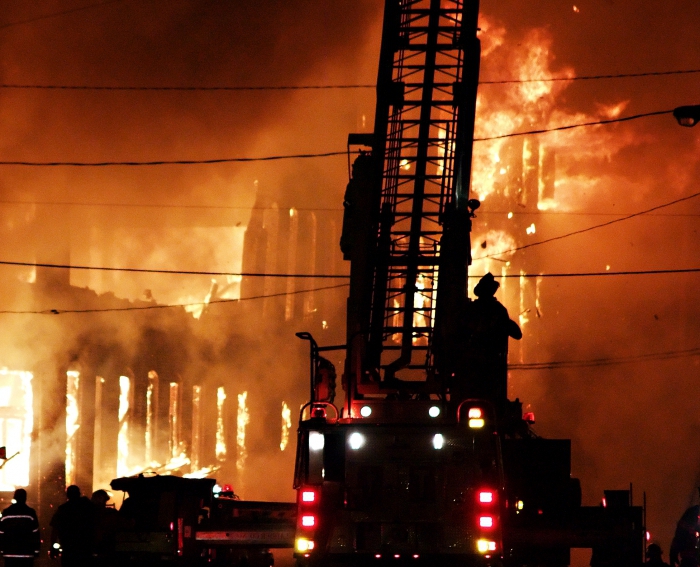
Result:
pixel 486 329
pixel 20 541
pixel 654 555
pixel 684 547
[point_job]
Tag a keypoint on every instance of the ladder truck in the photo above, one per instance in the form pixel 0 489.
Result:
pixel 419 465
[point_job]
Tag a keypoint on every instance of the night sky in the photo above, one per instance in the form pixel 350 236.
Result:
pixel 633 422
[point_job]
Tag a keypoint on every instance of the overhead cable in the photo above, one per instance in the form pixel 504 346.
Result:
pixel 588 229
pixel 605 361
pixel 54 14
pixel 166 306
pixel 571 126
pixel 26 86
pixel 300 156
pixel 177 272
pixel 340 276
pixel 170 162
pixel 318 209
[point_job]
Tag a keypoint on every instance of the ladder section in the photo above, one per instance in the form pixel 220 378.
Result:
pixel 418 181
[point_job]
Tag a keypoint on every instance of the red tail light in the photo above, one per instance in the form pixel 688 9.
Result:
pixel 485 521
pixel 308 496
pixel 308 521
pixel 486 497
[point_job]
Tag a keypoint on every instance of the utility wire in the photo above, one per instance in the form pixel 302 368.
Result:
pixel 581 231
pixel 54 14
pixel 170 162
pixel 341 276
pixel 600 274
pixel 605 361
pixel 186 89
pixel 591 77
pixel 318 209
pixel 319 87
pixel 177 272
pixel 167 306
pixel 302 156
pixel 570 126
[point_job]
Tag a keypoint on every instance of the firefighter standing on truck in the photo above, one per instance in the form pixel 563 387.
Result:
pixel 20 541
pixel 487 328
pixel 684 547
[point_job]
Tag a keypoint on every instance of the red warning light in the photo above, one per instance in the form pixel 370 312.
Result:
pixel 485 521
pixel 486 497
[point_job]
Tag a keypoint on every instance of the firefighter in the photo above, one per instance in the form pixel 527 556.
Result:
pixel 107 523
pixel 20 541
pixel 487 328
pixel 73 529
pixel 654 555
pixel 684 547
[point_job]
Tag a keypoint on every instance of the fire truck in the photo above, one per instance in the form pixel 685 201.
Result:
pixel 190 521
pixel 427 460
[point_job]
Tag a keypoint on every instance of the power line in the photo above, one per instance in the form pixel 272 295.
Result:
pixel 338 276
pixel 581 231
pixel 591 77
pixel 185 89
pixel 213 88
pixel 581 125
pixel 600 274
pixel 173 272
pixel 302 156
pixel 605 361
pixel 170 162
pixel 321 209
pixel 54 14
pixel 160 206
pixel 167 306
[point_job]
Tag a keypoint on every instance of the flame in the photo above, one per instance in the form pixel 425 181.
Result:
pixel 173 412
pixel 123 435
pixel 72 424
pixel 220 424
pixel 151 392
pixel 286 425
pixel 242 420
pixel 16 426
pixel 196 425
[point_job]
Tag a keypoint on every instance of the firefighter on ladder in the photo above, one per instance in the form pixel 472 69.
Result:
pixel 684 547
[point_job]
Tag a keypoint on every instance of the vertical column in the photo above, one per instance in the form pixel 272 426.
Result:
pixel 151 416
pixel 86 433
pixel 125 403
pixel 99 478
pixel 196 449
pixel 174 445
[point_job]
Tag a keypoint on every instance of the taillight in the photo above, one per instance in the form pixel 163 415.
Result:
pixel 486 497
pixel 485 521
pixel 486 512
pixel 308 501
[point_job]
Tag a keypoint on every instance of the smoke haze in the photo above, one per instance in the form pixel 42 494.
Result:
pixel 629 422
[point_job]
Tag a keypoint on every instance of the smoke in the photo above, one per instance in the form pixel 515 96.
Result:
pixel 628 423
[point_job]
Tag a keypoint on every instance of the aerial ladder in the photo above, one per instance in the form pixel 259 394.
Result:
pixel 417 465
